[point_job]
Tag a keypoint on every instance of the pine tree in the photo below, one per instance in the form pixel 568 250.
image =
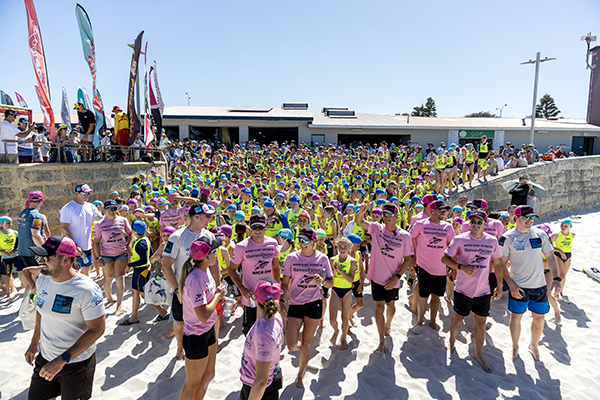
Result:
pixel 427 110
pixel 481 114
pixel 546 107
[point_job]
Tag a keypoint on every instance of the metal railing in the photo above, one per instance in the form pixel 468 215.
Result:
pixel 67 152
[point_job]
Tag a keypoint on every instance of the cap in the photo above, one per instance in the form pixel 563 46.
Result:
pixel 390 209
pixel 546 228
pixel 428 198
pixel 9 112
pixel 321 233
pixel 267 289
pixel 110 203
pixel 480 203
pixel 479 214
pixel 4 219
pixel 258 220
pixel 240 215
pixel 566 221
pixel 201 208
pixel 439 205
pixel 36 196
pixel 116 108
pixel 458 219
pixel 307 234
pixel 295 199
pixel 56 245
pixel 285 233
pixel 380 202
pixel 132 201
pixel 205 191
pixel 354 238
pixel 218 232
pixel 169 229
pixel 139 227
pixel 457 208
pixel 504 214
pixel 376 211
pixel 226 230
pixel 83 188
pixel 201 247
pixel 269 203
pixel 139 209
pixel 76 106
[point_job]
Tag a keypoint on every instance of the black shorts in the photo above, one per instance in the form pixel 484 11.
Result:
pixel 248 319
pixel 74 381
pixel 312 310
pixel 355 286
pixel 430 284
pixel 271 392
pixel 493 282
pixel 8 265
pixel 463 305
pixel 379 293
pixel 234 289
pixel 325 292
pixel 483 156
pixel 27 261
pixel 139 279
pixel 196 346
pixel 176 309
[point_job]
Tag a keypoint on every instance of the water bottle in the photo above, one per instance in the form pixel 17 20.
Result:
pixel 228 306
pixel 84 258
pixel 252 302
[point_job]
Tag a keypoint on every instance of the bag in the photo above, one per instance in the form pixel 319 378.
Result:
pixel 157 291
pixel 27 312
pixel 548 157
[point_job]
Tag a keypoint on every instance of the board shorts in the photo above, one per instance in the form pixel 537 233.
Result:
pixel 123 137
pixel 74 381
pixel 480 305
pixel 196 346
pixel 110 260
pixel 85 259
pixel 140 277
pixel 430 284
pixel 536 300
pixel 312 310
pixel 248 319
pixel 355 286
pixel 10 265
pixel 567 255
pixel 380 293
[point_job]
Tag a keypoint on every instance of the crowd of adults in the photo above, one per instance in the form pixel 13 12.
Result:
pixel 289 231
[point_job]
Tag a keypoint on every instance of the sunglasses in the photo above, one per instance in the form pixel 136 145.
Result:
pixel 111 208
pixel 84 194
pixel 258 227
pixel 529 218
pixel 304 241
pixel 478 222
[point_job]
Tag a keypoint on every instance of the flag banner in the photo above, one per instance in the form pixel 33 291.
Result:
pixel 21 100
pixel 83 98
pixel 159 99
pixel 65 111
pixel 133 71
pixel 154 105
pixel 6 99
pixel 89 54
pixel 148 135
pixel 39 65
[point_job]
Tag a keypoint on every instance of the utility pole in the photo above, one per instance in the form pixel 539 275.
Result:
pixel 535 86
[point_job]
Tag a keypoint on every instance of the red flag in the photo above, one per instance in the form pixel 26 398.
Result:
pixel 39 65
pixel 21 100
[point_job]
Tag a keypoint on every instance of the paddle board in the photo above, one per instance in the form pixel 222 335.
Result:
pixel 593 272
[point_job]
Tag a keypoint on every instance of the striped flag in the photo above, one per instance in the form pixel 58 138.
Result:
pixel 21 100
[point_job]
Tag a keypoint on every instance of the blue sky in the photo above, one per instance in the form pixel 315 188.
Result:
pixel 377 57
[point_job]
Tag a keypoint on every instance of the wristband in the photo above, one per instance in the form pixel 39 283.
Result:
pixel 398 276
pixel 557 278
pixel 459 266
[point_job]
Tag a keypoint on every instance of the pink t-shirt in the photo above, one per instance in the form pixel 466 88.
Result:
pixel 303 288
pixel 112 235
pixel 476 253
pixel 432 239
pixel 199 290
pixel 493 227
pixel 416 218
pixel 388 252
pixel 263 343
pixel 172 217
pixel 256 260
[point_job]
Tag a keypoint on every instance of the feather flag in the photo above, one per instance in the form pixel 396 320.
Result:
pixel 156 105
pixel 21 100
pixel 133 71
pixel 39 65
pixel 148 135
pixel 65 112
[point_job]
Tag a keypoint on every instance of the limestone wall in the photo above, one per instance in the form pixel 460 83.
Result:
pixel 571 183
pixel 58 182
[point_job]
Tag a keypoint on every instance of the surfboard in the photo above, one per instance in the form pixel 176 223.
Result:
pixel 592 272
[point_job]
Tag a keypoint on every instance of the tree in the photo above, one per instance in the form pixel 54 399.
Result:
pixel 481 114
pixel 546 107
pixel 402 114
pixel 427 110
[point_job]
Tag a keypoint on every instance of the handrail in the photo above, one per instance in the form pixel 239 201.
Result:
pixel 104 150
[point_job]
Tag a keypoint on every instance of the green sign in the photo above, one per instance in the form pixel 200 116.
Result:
pixel 463 134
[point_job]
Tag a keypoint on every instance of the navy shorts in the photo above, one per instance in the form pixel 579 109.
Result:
pixel 140 277
pixel 85 259
pixel 10 265
pixel 536 300
pixel 355 286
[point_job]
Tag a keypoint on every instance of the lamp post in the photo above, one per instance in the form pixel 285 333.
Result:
pixel 188 97
pixel 500 109
pixel 535 86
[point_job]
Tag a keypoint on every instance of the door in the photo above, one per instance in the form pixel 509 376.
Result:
pixel 577 145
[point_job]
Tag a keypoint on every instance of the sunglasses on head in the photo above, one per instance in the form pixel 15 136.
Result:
pixel 476 222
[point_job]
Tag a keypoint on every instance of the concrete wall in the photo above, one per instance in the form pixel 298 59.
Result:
pixel 58 182
pixel 571 184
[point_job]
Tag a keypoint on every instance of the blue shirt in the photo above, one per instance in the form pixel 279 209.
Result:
pixel 28 219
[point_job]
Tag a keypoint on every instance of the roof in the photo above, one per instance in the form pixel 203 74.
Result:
pixel 316 119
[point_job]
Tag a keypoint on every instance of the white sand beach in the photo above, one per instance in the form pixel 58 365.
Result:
pixel 135 362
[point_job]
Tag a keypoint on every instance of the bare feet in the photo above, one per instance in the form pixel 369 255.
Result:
pixel 434 326
pixel 386 330
pixel 333 339
pixel 556 319
pixel 110 300
pixel 299 383
pixel 297 347
pixel 179 354
pixel 343 345
pixel 168 334
pixel 410 308
pixel 534 352
pixel 484 365
pixel 351 321
pixel 350 332
pixel 450 346
pixel 515 353
pixel 321 325
pixel 448 299
pixel 417 329
pixel 381 348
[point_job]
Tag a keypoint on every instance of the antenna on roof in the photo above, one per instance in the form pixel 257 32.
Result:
pixel 588 39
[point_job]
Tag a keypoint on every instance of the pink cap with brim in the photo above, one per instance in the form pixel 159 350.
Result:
pixel 267 289
pixel 36 196
pixel 428 198
pixel 56 245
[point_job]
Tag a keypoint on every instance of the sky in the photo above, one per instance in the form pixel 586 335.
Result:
pixel 380 57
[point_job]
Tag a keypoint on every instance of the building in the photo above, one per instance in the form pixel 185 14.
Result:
pixel 294 121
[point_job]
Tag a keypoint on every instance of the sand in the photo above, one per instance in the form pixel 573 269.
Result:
pixel 136 362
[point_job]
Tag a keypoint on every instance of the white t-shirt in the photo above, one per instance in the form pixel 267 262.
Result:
pixel 64 308
pixel 500 162
pixel 80 218
pixel 524 251
pixel 8 132
pixel 178 247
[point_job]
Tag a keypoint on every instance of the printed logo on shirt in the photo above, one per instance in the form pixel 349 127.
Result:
pixel 477 260
pixel 536 243
pixel 262 264
pixel 37 223
pixel 97 299
pixel 39 303
pixel 519 245
pixel 199 297
pixel 168 247
pixel 62 304
pixel 501 240
pixel 43 293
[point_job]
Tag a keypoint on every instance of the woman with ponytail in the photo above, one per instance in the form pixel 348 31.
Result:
pixel 260 372
pixel 199 296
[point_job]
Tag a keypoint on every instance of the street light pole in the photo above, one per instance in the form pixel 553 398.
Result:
pixel 500 109
pixel 535 86
pixel 188 97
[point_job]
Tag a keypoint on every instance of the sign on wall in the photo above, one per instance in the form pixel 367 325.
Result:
pixel 463 134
